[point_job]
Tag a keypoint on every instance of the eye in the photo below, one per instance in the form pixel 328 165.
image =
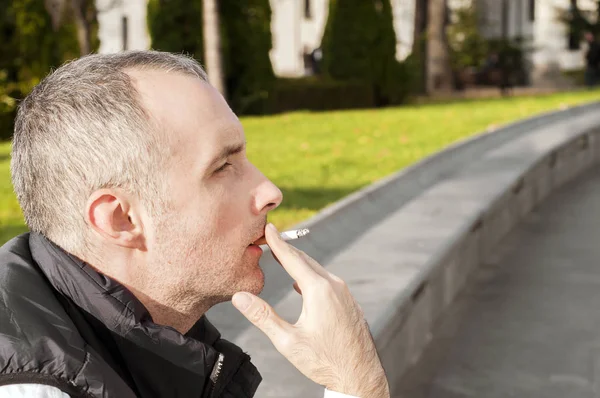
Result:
pixel 223 167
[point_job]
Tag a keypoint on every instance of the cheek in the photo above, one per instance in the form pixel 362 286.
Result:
pixel 225 214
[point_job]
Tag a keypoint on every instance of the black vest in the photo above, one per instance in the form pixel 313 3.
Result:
pixel 64 324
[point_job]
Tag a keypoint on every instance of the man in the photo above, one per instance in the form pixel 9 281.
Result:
pixel 592 58
pixel 144 212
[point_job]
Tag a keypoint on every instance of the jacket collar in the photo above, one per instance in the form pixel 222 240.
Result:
pixel 193 354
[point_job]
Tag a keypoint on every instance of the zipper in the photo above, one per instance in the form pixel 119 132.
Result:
pixel 216 372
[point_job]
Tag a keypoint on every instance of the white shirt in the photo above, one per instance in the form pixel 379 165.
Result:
pixel 44 391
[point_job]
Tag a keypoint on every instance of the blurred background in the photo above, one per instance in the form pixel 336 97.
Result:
pixel 333 94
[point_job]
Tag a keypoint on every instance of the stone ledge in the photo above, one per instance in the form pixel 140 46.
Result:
pixel 338 226
pixel 407 266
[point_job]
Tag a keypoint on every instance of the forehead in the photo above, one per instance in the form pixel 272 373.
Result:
pixel 195 118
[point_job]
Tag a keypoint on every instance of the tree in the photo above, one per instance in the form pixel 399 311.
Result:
pixel 177 26
pixel 420 25
pixel 468 47
pixel 83 14
pixel 32 42
pixel 439 71
pixel 359 44
pixel 349 38
pixel 85 18
pixel 384 61
pixel 212 45
pixel 39 44
pixel 245 42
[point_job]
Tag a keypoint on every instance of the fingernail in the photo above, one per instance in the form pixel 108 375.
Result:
pixel 242 301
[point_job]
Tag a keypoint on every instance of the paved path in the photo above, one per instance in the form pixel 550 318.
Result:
pixel 528 325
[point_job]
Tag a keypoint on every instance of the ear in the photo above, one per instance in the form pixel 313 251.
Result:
pixel 114 216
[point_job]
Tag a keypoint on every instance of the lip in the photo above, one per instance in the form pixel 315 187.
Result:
pixel 255 249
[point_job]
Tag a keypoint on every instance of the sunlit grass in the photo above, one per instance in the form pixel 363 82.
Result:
pixel 318 158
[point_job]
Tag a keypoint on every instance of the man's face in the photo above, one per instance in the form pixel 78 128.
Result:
pixel 218 201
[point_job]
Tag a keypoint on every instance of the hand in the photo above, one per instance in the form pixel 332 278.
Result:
pixel 330 343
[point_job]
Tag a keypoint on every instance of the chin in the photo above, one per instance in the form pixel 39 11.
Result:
pixel 252 280
pixel 255 282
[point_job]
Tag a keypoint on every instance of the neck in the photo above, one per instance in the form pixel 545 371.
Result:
pixel 168 307
pixel 180 314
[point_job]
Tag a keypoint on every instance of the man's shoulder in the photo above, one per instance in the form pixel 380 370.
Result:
pixel 26 293
pixel 36 334
pixel 16 262
pixel 16 247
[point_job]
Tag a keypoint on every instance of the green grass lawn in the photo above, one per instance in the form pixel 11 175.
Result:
pixel 318 158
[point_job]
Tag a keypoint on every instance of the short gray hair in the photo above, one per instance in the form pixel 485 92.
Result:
pixel 84 128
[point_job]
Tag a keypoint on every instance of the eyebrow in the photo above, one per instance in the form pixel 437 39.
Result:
pixel 226 152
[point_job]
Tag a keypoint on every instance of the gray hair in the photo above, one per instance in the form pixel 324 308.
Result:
pixel 84 128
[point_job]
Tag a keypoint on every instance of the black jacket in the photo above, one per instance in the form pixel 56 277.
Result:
pixel 65 325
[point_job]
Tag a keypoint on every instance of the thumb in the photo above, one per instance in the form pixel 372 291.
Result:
pixel 261 315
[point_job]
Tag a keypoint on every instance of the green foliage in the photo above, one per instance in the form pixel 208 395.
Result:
pixel 318 94
pixel 318 158
pixel 246 43
pixel 176 26
pixel 349 40
pixel 408 79
pixel 468 47
pixel 389 75
pixel 359 44
pixel 30 48
pixel 40 46
pixel 470 52
pixel 578 21
pixel 511 58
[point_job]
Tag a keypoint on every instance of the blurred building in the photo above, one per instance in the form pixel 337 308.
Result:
pixel 122 25
pixel 297 27
pixel 551 49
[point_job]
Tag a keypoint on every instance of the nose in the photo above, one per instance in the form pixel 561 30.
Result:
pixel 267 196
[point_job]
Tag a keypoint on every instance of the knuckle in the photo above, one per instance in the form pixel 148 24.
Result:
pixel 305 256
pixel 260 314
pixel 297 253
pixel 338 281
pixel 322 285
pixel 323 288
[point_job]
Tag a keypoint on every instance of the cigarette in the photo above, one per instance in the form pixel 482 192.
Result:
pixel 294 234
pixel 287 235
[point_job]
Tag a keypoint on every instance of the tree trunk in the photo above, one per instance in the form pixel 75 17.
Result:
pixel 439 71
pixel 420 24
pixel 212 45
pixel 84 29
pixel 419 47
pixel 55 8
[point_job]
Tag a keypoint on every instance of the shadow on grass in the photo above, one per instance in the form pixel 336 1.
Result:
pixel 313 198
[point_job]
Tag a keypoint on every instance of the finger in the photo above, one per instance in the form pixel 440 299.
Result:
pixel 261 315
pixel 289 257
pixel 318 268
pixel 297 288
